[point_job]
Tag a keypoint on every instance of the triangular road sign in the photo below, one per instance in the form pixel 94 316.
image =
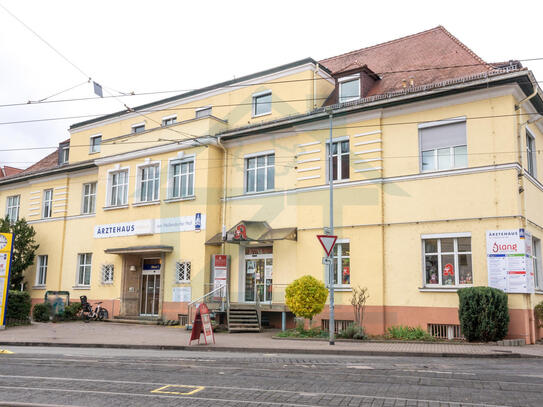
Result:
pixel 327 242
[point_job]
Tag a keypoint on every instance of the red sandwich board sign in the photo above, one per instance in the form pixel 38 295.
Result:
pixel 327 242
pixel 202 324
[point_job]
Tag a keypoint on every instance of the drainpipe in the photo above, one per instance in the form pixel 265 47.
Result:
pixel 315 86
pixel 528 297
pixel 225 169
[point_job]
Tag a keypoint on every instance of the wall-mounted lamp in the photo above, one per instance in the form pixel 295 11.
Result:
pixel 132 268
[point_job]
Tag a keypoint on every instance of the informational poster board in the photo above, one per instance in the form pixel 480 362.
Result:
pixel 202 324
pixel 181 294
pixel 220 267
pixel 6 246
pixel 510 260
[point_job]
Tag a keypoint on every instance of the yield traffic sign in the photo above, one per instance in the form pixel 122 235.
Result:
pixel 327 242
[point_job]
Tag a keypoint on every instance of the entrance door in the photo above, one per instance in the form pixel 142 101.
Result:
pixel 150 287
pixel 258 274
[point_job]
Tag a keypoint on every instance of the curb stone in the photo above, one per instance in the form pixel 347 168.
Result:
pixel 499 354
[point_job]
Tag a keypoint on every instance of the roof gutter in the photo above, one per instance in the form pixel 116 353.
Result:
pixel 48 172
pixel 321 113
pixel 517 107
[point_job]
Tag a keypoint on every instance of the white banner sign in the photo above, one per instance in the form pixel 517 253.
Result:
pixel 509 260
pixel 151 226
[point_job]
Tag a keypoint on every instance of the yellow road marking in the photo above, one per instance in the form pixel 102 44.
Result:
pixel 195 389
pixel 5 351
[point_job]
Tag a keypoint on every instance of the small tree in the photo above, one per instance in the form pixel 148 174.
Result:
pixel 358 301
pixel 306 297
pixel 24 248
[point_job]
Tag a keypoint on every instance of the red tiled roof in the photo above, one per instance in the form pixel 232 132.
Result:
pixel 6 171
pixel 428 49
pixel 48 162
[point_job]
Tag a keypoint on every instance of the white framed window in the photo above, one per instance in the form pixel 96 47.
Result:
pixel 41 270
pixel 148 182
pixel 84 264
pixel 341 265
pixel 182 271
pixel 95 143
pixel 12 208
pixel 530 154
pixel 88 204
pixel 536 255
pixel 443 145
pixel 203 112
pixel 447 260
pixel 349 88
pixel 107 273
pixel 118 188
pixel 262 103
pixel 47 204
pixel 168 121
pixel 138 128
pixel 260 172
pixel 182 178
pixel 64 155
pixel 340 160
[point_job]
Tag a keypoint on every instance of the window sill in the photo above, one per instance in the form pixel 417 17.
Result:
pixel 350 100
pixel 341 288
pixel 181 199
pixel 107 282
pixel 261 114
pixel 443 289
pixel 39 287
pixel 444 169
pixel 183 282
pixel 537 291
pixel 146 203
pixel 112 208
pixel 259 192
pixel 93 152
pixel 81 287
pixel 338 181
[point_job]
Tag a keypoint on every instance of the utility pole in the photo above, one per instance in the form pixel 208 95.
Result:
pixel 331 255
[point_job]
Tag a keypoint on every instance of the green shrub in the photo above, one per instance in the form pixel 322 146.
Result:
pixel 409 333
pixel 300 332
pixel 18 307
pixel 353 332
pixel 71 311
pixel 42 312
pixel 538 312
pixel 483 313
pixel 306 296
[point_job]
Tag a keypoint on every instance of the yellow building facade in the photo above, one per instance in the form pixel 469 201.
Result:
pixel 139 210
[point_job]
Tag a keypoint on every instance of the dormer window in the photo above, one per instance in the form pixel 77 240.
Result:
pixel 63 153
pixel 349 88
pixel 138 128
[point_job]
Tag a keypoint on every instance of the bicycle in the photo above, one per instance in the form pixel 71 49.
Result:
pixel 87 313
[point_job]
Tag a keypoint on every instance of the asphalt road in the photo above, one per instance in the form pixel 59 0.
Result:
pixel 117 377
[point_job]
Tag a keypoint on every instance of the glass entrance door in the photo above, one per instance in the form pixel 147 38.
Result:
pixel 150 287
pixel 258 274
pixel 150 290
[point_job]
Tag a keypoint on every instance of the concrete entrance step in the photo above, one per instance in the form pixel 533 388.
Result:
pixel 135 321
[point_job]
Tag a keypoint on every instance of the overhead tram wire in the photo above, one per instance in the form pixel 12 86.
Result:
pixel 180 91
pixel 79 69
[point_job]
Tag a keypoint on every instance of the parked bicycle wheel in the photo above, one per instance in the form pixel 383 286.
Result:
pixel 103 314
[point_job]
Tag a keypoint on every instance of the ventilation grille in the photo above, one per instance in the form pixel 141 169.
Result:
pixel 339 325
pixel 445 331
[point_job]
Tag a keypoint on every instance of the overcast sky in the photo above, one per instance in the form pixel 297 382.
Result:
pixel 147 46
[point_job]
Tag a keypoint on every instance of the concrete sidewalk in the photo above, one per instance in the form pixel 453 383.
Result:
pixel 102 334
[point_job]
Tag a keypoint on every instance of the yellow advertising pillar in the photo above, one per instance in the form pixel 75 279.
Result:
pixel 6 240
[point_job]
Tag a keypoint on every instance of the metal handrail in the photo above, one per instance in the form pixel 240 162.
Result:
pixel 190 305
pixel 205 295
